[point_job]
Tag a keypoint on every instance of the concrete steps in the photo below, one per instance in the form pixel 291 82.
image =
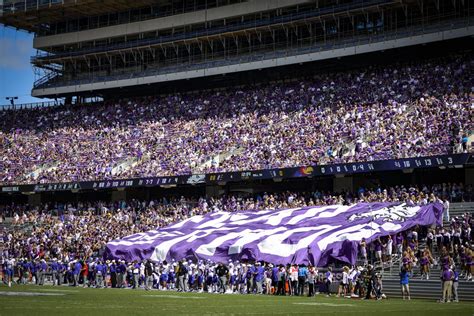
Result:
pixel 427 289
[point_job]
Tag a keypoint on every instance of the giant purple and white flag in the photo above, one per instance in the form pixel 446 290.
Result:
pixel 310 235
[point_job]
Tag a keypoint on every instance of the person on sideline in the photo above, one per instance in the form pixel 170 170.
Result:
pixel 404 282
pixel 447 277
pixel 329 278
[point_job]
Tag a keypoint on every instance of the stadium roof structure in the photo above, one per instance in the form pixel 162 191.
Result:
pixel 27 15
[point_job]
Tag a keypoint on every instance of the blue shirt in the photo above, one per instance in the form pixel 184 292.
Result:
pixel 104 269
pixel 55 266
pixel 404 277
pixel 44 267
pixel 260 273
pixel 302 272
pixel 275 274
pixel 77 268
pixel 98 268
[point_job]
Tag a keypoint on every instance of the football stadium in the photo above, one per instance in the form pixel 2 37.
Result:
pixel 239 157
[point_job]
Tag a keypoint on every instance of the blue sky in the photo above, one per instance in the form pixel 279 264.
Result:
pixel 16 73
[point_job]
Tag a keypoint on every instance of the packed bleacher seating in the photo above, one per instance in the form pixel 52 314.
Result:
pixel 70 229
pixel 396 111
pixel 66 241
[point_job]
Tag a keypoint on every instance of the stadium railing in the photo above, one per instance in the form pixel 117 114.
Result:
pixel 33 105
pixel 213 31
pixel 185 65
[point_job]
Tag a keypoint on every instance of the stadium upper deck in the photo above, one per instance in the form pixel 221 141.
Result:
pixel 89 48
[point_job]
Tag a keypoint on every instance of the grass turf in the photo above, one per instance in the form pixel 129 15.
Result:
pixel 89 301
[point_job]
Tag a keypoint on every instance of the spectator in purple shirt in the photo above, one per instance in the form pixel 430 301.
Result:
pixel 447 277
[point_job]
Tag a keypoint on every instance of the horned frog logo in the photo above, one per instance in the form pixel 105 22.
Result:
pixel 392 213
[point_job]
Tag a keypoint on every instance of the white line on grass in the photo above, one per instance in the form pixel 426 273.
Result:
pixel 323 304
pixel 175 296
pixel 5 293
pixel 53 290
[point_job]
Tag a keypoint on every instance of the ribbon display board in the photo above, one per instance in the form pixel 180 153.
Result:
pixel 283 173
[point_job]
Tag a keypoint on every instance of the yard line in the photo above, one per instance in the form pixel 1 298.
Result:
pixel 323 304
pixel 8 293
pixel 174 296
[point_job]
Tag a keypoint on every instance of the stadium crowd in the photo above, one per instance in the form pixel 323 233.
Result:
pixel 396 111
pixel 66 245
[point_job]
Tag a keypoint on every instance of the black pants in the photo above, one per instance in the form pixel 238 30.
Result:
pixel 301 284
pixel 310 289
pixel 369 290
pixel 328 287
pixel 294 287
pixel 113 279
pixel 281 288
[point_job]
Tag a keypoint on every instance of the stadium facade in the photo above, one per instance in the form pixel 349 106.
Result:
pixel 90 48
pixel 110 49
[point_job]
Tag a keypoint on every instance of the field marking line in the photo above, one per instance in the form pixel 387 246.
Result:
pixel 9 293
pixel 323 304
pixel 54 290
pixel 175 296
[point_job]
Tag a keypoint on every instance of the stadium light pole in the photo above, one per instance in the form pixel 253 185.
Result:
pixel 12 100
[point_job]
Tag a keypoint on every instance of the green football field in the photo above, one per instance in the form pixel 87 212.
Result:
pixel 48 300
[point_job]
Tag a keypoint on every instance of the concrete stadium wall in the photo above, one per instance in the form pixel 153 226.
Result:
pixel 315 56
pixel 164 22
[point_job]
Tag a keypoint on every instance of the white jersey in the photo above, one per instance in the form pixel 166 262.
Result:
pixel 211 272
pixel 345 277
pixel 10 264
pixel 389 246
pixel 353 274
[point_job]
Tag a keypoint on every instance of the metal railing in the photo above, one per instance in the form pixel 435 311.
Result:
pixel 213 31
pixel 184 64
pixel 33 105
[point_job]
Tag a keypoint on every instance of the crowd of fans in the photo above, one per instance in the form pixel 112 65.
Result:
pixel 394 111
pixel 73 230
pixel 64 244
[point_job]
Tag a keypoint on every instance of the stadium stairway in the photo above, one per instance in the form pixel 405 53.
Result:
pixel 44 168
pixel 427 289
pixel 217 159
pixel 457 209
pixel 124 166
